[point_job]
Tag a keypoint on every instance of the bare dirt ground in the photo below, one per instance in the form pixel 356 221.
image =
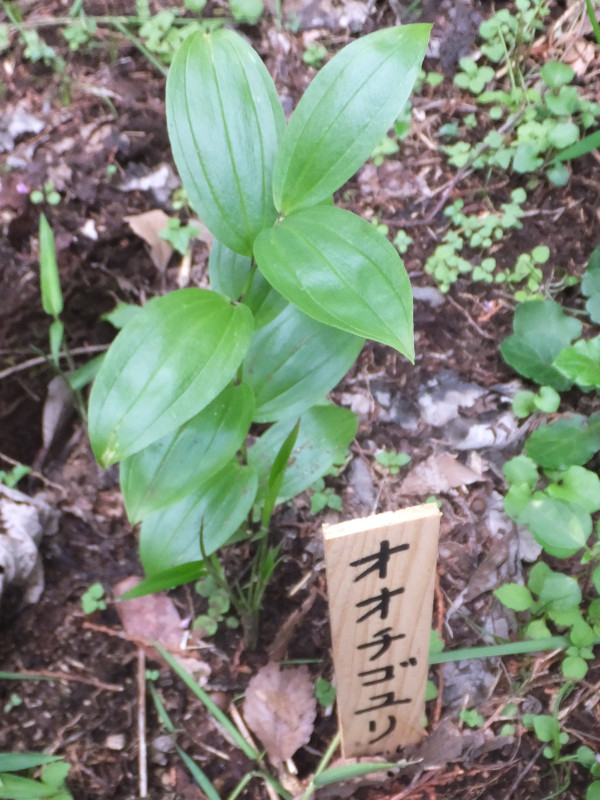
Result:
pixel 106 110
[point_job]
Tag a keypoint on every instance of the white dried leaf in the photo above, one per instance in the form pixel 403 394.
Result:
pixel 148 226
pixel 280 708
pixel 23 520
pixel 437 474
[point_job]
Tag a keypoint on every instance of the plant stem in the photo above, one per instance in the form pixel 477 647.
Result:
pixel 328 755
pixel 506 649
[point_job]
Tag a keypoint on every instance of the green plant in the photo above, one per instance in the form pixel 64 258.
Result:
pixel 471 717
pixel 14 700
pixel 13 476
pixel 296 285
pixel 315 55
pixel 48 195
pixel 391 460
pixel 324 692
pixel 477 233
pixel 93 599
pixel 51 783
pixel 218 606
pixel 323 497
pixel 179 236
pixel 323 775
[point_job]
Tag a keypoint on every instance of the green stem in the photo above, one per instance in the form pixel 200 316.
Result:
pixel 141 47
pixel 593 19
pixel 322 765
pixel 506 649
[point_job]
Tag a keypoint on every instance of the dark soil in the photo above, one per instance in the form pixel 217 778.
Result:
pixel 106 109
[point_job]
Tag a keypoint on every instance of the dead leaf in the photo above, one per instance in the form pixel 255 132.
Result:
pixel 437 474
pixel 154 618
pixel 23 521
pixel 280 708
pixel 147 226
pixel 58 410
pixel 580 55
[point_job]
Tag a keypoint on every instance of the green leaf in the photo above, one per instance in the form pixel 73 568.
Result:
pixel 560 592
pixel 172 467
pixel 561 528
pixel 568 441
pixel 538 575
pixel 171 537
pixel 163 368
pixel 526 158
pixel 121 314
pixel 574 668
pixel 563 134
pixel 246 11
pixel 581 363
pixel 546 727
pixel 348 771
pixel 56 338
pixel 579 486
pixel 324 434
pixel 13 787
pixel 547 400
pixel 593 791
pixel 582 634
pixel 590 285
pixel 293 362
pixel 556 74
pixel 52 299
pixel 345 112
pixel 521 469
pixel 514 596
pixel 54 774
pixel 14 762
pixel 585 145
pixel 277 473
pixel 167 579
pixel 541 331
pixel 225 122
pixel 340 270
pixel 324 692
pixel 230 275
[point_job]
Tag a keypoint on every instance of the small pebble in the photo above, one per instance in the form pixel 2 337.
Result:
pixel 115 741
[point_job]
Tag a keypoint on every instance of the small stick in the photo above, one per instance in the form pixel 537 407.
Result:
pixel 142 748
pixel 35 362
pixel 46 675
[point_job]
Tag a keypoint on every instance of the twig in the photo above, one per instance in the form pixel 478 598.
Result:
pixel 469 319
pixel 47 675
pixel 142 748
pixel 35 474
pixel 511 792
pixel 36 362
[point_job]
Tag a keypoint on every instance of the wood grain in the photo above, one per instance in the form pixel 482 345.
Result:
pixel 381 574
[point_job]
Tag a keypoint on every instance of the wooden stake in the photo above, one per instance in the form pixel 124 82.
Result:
pixel 381 574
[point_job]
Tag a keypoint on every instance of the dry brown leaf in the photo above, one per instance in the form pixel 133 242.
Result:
pixel 154 618
pixel 437 474
pixel 280 708
pixel 147 226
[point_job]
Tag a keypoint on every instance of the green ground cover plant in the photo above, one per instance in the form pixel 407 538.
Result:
pixel 50 784
pixel 297 284
pixel 533 121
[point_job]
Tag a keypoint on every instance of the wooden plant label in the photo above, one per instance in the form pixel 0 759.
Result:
pixel 380 574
